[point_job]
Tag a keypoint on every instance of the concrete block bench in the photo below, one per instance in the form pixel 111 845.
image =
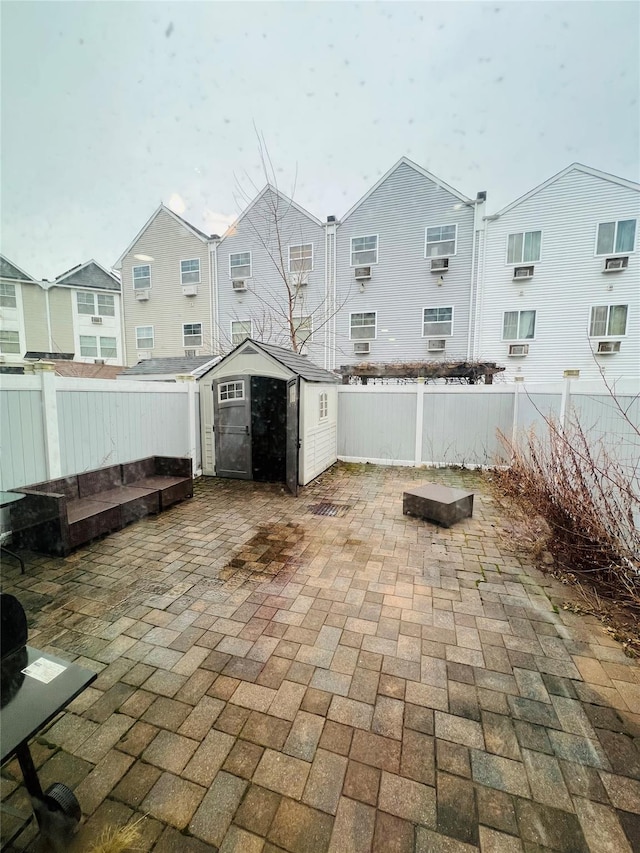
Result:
pixel 441 504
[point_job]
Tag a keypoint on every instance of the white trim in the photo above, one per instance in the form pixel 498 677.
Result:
pixel 226 385
pixel 613 252
pixel 156 212
pixel 189 260
pixel 299 246
pixel 455 241
pixel 370 460
pixel 436 308
pixel 365 263
pixel 133 280
pixel 608 306
pixel 191 323
pixel 375 326
pixel 231 230
pixel 514 264
pixel 574 167
pixel 153 336
pixel 519 311
pixel 248 252
pixel 59 279
pixel 404 161
pixel 250 335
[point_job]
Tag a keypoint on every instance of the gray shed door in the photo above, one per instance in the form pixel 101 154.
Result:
pixel 232 427
pixel 293 436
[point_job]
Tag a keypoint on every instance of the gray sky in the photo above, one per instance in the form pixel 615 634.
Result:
pixel 110 107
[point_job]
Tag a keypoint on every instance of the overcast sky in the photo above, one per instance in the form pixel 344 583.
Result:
pixel 109 108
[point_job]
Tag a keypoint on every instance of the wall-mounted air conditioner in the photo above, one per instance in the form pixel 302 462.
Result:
pixel 97 320
pixel 518 350
pixel 239 285
pixel 615 264
pixel 362 273
pixel 522 272
pixel 436 345
pixel 608 347
pixel 191 353
pixel 143 355
pixel 189 289
pixel 362 348
pixel 141 295
pixel 439 264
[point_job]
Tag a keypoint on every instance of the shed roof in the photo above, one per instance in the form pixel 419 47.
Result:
pixel 293 361
pixel 196 365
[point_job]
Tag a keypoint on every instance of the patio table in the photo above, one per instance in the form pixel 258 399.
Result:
pixel 6 499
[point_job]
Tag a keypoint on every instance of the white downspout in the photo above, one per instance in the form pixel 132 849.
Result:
pixel 48 310
pixel 478 207
pixel 214 308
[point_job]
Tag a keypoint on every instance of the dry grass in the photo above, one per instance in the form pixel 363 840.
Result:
pixel 117 839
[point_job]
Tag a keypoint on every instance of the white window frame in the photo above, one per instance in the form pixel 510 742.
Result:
pixel 521 263
pixel 114 347
pixel 189 272
pixel 455 240
pixel 375 325
pixel 298 321
pixel 152 336
pixel 365 237
pixel 323 406
pixel 301 246
pixel 250 335
pixel 8 294
pixel 133 276
pixel 86 295
pixel 615 236
pixel 3 343
pixel 250 265
pixel 94 338
pixel 438 308
pixel 184 336
pixel 225 388
pixel 609 306
pixel 519 311
pixel 112 304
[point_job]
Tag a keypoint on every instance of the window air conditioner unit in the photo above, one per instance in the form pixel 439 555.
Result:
pixel 522 272
pixel 143 355
pixel 362 348
pixel 239 285
pixel 142 295
pixel 362 273
pixel 518 350
pixel 608 347
pixel 190 353
pixel 301 279
pixel 615 264
pixel 439 264
pixel 97 320
pixel 99 361
pixel 189 289
pixel 437 345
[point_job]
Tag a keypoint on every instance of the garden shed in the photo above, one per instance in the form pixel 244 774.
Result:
pixel 269 414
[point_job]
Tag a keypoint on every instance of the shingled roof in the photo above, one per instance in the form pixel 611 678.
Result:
pixel 295 362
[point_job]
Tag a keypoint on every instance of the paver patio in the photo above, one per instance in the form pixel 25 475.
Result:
pixel 275 680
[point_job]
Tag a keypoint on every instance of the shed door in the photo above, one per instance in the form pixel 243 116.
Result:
pixel 232 427
pixel 293 437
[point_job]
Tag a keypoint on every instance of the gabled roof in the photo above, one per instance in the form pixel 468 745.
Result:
pixel 574 167
pixel 162 207
pixel 404 161
pixel 9 270
pixel 89 274
pixel 293 361
pixel 195 365
pixel 268 188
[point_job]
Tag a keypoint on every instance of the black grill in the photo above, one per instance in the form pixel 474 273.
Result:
pixel 331 509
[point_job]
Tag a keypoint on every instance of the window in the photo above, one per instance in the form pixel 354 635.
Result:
pixel 524 248
pixel 363 326
pixel 440 241
pixel 240 329
pixel 190 271
pixel 86 303
pixel 144 337
pixel 9 341
pixel 108 348
pixel 142 277
pixel 192 334
pixel 608 320
pixel 324 406
pixel 231 391
pixel 616 237
pixel 240 265
pixel 7 295
pixel 364 250
pixel 437 322
pixel 518 325
pixel 304 329
pixel 89 346
pixel 106 305
pixel 301 258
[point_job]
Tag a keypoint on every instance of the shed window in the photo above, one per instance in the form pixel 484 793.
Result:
pixel 142 277
pixel 9 341
pixel 324 406
pixel 231 391
pixel 7 295
pixel 364 250
pixel 240 265
pixel 190 271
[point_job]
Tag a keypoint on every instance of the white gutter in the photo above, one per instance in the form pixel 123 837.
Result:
pixel 214 308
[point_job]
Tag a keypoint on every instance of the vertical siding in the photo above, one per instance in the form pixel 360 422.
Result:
pixel 377 425
pixel 567 281
pixel 265 302
pixel 167 242
pixel 402 285
pixel 22 456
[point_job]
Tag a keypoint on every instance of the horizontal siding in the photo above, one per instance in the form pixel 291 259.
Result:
pixel 319 450
pixel 34 309
pixel 402 285
pixel 167 242
pixel 568 280
pixel 61 313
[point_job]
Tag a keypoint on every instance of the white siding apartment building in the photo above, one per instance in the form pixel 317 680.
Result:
pixel 414 271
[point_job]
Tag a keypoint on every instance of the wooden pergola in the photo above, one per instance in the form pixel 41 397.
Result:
pixel 471 372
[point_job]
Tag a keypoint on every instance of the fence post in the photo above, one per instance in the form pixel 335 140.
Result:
pixel 565 401
pixel 191 405
pixel 419 421
pixel 518 380
pixel 46 369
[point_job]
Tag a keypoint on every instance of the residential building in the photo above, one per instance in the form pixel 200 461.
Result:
pixel 78 314
pixel 560 287
pixel 167 284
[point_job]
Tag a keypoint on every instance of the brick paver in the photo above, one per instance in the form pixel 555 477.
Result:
pixel 279 681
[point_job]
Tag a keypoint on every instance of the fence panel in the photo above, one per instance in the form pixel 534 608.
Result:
pixel 377 424
pixel 23 457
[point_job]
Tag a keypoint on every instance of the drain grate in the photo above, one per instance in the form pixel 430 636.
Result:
pixel 330 509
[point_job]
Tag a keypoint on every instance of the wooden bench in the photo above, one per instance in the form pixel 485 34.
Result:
pixel 59 515
pixel 441 504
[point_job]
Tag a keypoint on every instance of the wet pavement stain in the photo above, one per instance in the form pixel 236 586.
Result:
pixel 274 548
